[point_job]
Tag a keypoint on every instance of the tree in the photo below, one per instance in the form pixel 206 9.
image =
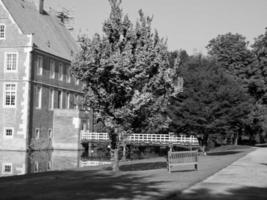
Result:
pixel 232 53
pixel 212 103
pixel 259 71
pixel 128 76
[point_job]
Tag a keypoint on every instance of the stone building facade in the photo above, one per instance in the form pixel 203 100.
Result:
pixel 35 54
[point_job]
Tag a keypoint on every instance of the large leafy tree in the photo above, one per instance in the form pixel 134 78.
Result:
pixel 128 77
pixel 212 105
pixel 259 72
pixel 259 83
pixel 232 54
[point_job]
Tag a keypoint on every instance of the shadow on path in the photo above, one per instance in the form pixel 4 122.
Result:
pixel 223 153
pixel 244 193
pixel 78 185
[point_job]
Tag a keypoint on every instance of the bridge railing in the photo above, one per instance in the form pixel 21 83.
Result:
pixel 161 138
pixel 86 135
pixel 143 138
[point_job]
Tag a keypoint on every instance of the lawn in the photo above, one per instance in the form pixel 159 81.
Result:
pixel 144 179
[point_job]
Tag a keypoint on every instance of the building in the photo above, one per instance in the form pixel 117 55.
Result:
pixel 35 54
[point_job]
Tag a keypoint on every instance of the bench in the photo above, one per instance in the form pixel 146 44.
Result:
pixel 181 158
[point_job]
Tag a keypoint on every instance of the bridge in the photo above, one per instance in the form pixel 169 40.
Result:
pixel 142 139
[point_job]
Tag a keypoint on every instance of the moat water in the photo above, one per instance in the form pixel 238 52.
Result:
pixel 14 163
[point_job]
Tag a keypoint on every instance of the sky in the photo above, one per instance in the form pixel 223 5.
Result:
pixel 187 24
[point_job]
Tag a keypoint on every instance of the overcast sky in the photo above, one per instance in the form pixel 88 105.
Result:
pixel 188 24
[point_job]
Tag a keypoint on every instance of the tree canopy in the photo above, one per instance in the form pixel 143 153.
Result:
pixel 212 102
pixel 127 74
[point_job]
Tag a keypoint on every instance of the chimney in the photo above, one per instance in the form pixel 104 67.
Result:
pixel 39 4
pixel 41 7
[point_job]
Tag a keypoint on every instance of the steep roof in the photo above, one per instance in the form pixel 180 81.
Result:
pixel 49 34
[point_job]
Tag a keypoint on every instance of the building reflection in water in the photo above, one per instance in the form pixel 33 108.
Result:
pixel 18 163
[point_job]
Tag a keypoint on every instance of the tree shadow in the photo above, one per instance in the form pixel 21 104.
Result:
pixel 244 193
pixel 77 185
pixel 142 166
pixel 223 153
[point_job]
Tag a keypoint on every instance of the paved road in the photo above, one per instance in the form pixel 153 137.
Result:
pixel 246 179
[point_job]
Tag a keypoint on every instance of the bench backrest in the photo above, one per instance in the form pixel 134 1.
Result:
pixel 182 156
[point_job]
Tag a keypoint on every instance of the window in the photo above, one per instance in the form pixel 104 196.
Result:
pixel 37 133
pixel 50 133
pixel 39 65
pixel 39 98
pixel 68 100
pixel 52 68
pixel 60 99
pixel 8 132
pixel 10 94
pixel 51 99
pixel 76 99
pixel 7 168
pixel 68 75
pixel 36 166
pixel 49 166
pixel 2 31
pixel 60 72
pixel 11 62
pixel 77 82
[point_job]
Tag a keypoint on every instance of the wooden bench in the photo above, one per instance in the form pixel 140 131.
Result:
pixel 181 158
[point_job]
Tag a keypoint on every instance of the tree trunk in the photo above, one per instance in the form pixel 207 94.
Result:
pixel 115 167
pixel 236 139
pixel 205 143
pixel 124 146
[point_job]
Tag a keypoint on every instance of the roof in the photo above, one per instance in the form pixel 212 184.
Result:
pixel 49 34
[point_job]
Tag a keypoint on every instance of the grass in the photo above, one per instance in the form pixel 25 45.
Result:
pixel 143 179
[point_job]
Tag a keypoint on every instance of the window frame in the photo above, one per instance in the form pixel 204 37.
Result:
pixel 7 136
pixel 60 99
pixel 36 167
pixel 4 95
pixel 50 133
pixel 68 100
pixel 37 136
pixel 77 82
pixel 4 166
pixel 3 38
pixel 60 71
pixel 5 62
pixel 52 74
pixel 68 75
pixel 39 97
pixel 51 99
pixel 76 100
pixel 39 64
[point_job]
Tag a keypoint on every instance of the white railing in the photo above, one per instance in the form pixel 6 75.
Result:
pixel 143 138
pixel 86 135
pixel 91 163
pixel 161 138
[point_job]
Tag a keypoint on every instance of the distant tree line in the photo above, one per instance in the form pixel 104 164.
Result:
pixel 225 93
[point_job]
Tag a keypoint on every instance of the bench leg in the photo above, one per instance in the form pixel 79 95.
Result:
pixel 196 167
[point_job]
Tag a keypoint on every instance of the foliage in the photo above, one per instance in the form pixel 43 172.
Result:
pixel 248 67
pixel 259 72
pixel 212 103
pixel 232 53
pixel 127 74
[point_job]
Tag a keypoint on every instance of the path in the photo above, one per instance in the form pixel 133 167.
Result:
pixel 246 178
